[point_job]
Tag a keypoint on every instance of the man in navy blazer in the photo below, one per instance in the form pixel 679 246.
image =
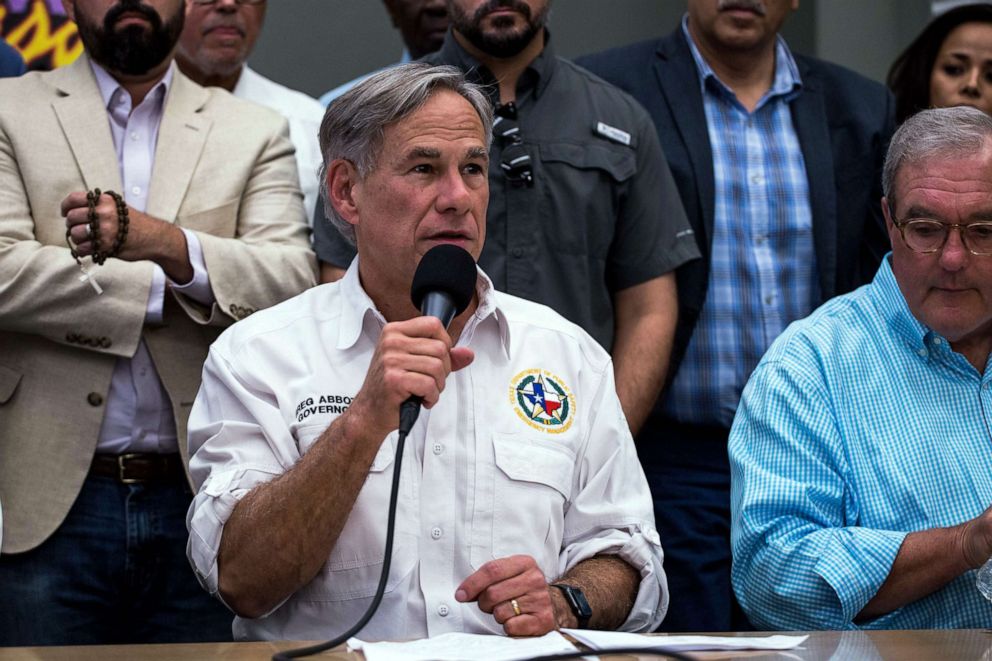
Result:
pixel 778 159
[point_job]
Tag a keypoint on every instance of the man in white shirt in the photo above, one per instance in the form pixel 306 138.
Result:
pixel 522 508
pixel 215 44
pixel 102 340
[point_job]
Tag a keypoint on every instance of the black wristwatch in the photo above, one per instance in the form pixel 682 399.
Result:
pixel 577 602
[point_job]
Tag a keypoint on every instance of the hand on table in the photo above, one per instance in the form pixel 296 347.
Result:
pixel 501 583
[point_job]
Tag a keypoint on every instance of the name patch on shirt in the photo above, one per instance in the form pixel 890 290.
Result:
pixel 613 133
pixel 542 400
pixel 322 405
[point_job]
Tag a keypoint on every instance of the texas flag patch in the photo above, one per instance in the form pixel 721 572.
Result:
pixel 542 400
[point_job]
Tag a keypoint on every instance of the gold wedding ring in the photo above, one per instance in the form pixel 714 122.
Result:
pixel 516 606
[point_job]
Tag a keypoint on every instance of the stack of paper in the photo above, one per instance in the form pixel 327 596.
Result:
pixel 470 646
pixel 464 647
pixel 599 640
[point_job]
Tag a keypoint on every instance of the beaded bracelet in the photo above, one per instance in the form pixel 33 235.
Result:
pixel 93 233
pixel 123 223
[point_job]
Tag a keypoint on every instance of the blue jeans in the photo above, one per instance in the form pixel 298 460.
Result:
pixel 114 572
pixel 689 474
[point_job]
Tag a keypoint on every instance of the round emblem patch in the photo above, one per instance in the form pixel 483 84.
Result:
pixel 542 400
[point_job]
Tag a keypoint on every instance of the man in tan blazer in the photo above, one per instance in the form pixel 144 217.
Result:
pixel 98 369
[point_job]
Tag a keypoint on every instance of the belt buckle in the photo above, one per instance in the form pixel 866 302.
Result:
pixel 120 468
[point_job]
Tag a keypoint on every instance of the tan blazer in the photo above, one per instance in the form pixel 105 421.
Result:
pixel 223 168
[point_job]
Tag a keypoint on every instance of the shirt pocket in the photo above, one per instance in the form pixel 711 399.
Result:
pixel 353 567
pixel 524 512
pixel 589 201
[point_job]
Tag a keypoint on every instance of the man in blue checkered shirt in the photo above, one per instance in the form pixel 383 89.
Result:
pixel 861 454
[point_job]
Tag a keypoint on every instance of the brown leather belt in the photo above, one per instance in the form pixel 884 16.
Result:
pixel 136 467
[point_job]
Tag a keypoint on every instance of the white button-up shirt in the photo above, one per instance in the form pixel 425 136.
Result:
pixel 526 452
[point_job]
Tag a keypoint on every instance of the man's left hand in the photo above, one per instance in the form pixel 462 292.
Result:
pixel 501 582
pixel 148 238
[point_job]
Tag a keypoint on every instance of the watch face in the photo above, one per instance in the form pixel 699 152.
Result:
pixel 577 601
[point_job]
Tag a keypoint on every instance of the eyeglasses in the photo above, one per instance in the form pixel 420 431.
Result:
pixel 240 2
pixel 514 159
pixel 925 235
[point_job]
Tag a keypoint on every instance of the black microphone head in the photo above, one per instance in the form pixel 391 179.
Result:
pixel 445 268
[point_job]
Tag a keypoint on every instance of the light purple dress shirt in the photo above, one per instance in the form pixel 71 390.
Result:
pixel 139 415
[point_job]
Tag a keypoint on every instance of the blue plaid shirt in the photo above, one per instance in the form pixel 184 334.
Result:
pixel 859 426
pixel 762 270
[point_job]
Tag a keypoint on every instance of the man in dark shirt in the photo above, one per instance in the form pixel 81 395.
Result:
pixel 584 215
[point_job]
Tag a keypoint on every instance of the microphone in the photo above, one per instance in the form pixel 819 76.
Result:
pixel 442 287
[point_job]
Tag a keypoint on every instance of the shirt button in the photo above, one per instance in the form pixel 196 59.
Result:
pixel 94 399
pixel 436 532
pixel 136 190
pixel 769 300
pixel 922 353
pixel 443 610
pixel 438 448
pixel 134 135
pixel 936 341
pixel 517 252
pixel 757 179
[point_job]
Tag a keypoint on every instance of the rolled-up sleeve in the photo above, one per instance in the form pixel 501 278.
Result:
pixel 237 441
pixel 612 512
pixel 798 561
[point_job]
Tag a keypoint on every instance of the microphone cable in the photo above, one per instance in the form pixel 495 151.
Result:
pixel 659 650
pixel 408 415
pixel 386 561
pixel 384 576
pixel 442 287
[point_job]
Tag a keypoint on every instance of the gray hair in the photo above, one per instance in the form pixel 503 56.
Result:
pixel 957 131
pixel 354 123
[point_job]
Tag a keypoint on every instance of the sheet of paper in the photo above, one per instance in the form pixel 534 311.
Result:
pixel 598 640
pixel 464 647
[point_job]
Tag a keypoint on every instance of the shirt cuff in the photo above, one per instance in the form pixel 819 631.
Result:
pixel 209 512
pixel 643 552
pixel 856 563
pixel 156 297
pixel 640 546
pixel 198 288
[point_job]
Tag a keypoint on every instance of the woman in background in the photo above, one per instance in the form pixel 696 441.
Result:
pixel 949 64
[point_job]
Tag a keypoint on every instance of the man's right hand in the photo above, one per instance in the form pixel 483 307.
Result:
pixel 413 358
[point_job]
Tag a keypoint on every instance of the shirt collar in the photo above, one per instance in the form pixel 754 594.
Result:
pixel 359 314
pixel 787 82
pixel 110 89
pixel 895 311
pixel 535 77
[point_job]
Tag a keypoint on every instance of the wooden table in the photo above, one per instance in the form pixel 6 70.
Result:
pixel 939 645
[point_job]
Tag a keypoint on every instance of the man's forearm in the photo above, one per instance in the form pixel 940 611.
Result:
pixel 927 561
pixel 642 345
pixel 161 242
pixel 610 585
pixel 281 534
